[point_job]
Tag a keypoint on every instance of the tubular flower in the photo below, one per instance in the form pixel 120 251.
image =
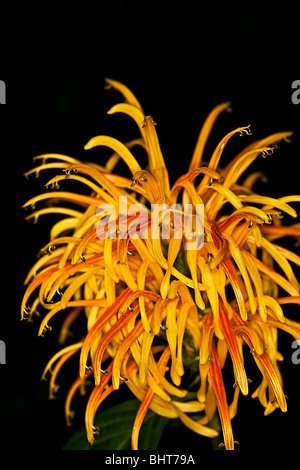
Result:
pixel 154 305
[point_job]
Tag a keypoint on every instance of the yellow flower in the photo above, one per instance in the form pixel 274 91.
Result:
pixel 154 303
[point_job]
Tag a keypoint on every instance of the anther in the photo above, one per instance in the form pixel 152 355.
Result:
pixel 131 253
pixel 134 182
pixel 210 181
pixel 26 313
pixel 163 327
pixel 82 258
pixel 267 152
pixel 130 309
pixel 125 379
pixel 60 293
pixel 46 327
pixel 197 358
pixel 210 359
pixel 144 180
pixel 96 430
pixel 210 257
pixel 252 350
pixel 247 131
pixel 251 224
pixel 104 371
pixel 50 249
pixel 89 368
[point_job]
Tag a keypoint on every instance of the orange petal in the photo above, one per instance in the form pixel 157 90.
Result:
pixel 112 310
pixel 234 281
pixel 239 369
pixel 270 375
pixel 125 318
pixel 218 386
pixel 204 133
pixel 163 360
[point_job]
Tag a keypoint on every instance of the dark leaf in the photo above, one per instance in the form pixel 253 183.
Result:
pixel 116 425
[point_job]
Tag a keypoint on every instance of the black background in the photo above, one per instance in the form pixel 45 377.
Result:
pixel 180 59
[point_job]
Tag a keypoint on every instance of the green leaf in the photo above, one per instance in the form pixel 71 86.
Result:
pixel 116 425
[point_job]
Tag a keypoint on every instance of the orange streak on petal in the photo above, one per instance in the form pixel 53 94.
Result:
pixel 272 378
pixel 234 281
pixel 122 350
pixel 147 401
pixel 218 386
pixel 78 382
pixel 33 285
pixel 125 318
pixel 134 295
pixel 93 403
pixel 207 332
pixel 239 369
pixel 280 280
pixel 112 310
pixel 287 300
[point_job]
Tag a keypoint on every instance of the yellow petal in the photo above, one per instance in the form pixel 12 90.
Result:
pixel 194 425
pixel 128 95
pixel 257 281
pixel 238 258
pixel 204 133
pixel 281 260
pixel 156 161
pixel 214 161
pixel 269 202
pixel 191 256
pixel 118 147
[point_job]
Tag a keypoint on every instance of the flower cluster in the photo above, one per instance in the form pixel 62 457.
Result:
pixel 152 306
